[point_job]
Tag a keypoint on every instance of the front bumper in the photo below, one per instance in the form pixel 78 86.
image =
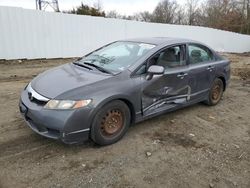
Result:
pixel 69 126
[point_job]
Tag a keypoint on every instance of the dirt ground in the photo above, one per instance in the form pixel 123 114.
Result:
pixel 198 146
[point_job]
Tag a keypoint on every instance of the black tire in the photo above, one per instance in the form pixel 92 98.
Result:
pixel 110 123
pixel 215 92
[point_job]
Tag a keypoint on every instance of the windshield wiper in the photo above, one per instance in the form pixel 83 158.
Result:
pixel 98 68
pixel 82 65
pixel 101 57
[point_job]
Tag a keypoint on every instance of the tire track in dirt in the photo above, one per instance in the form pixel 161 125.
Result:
pixel 14 125
pixel 24 151
pixel 22 144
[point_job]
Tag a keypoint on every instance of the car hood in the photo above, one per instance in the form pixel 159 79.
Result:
pixel 64 78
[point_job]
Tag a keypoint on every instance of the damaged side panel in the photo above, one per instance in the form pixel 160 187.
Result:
pixel 166 91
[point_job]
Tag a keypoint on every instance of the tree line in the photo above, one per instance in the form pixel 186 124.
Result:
pixel 230 15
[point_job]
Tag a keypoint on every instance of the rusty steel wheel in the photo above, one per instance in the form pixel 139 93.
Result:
pixel 216 92
pixel 110 123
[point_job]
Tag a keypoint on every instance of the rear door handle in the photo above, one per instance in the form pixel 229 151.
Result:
pixel 182 75
pixel 210 68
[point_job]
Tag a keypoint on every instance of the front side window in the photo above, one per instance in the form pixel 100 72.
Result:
pixel 171 57
pixel 117 56
pixel 199 54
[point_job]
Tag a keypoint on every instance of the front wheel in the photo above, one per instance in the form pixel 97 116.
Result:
pixel 215 93
pixel 110 123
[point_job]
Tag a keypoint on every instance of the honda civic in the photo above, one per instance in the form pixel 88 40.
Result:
pixel 101 94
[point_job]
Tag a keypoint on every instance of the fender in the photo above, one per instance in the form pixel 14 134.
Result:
pixel 121 97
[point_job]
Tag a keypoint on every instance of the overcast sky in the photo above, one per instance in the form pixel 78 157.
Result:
pixel 126 7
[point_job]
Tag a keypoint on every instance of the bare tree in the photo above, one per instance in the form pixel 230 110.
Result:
pixel 98 5
pixel 245 12
pixel 165 11
pixel 180 16
pixel 113 14
pixel 231 15
pixel 193 11
pixel 145 16
pixel 223 14
pixel 246 15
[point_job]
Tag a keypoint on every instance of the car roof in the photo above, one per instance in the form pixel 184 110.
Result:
pixel 160 40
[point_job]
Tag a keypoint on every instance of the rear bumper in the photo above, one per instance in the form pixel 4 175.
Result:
pixel 69 126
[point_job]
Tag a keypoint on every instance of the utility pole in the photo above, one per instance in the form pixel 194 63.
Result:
pixel 43 4
pixel 248 16
pixel 245 23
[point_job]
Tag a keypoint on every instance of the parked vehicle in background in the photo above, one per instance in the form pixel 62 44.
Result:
pixel 101 94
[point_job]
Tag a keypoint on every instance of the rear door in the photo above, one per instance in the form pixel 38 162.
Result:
pixel 202 69
pixel 171 89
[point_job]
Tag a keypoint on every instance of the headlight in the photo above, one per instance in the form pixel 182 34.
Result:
pixel 66 104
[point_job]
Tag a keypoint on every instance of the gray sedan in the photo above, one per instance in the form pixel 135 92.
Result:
pixel 101 94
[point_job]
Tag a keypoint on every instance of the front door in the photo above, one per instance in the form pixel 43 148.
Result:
pixel 171 89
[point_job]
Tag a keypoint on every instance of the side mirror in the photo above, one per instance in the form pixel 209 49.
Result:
pixel 154 70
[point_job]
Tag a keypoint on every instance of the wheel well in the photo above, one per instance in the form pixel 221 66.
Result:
pixel 131 108
pixel 224 82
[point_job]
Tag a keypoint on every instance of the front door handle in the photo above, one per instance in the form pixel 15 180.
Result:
pixel 182 75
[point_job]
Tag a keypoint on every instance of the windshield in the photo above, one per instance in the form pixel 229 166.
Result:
pixel 117 56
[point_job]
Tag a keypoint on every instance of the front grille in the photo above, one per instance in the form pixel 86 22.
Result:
pixel 42 103
pixel 35 96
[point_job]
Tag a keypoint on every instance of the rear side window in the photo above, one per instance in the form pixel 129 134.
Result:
pixel 199 54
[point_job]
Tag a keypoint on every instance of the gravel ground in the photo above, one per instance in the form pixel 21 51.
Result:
pixel 198 146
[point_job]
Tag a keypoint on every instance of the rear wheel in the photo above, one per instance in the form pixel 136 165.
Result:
pixel 215 93
pixel 110 123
